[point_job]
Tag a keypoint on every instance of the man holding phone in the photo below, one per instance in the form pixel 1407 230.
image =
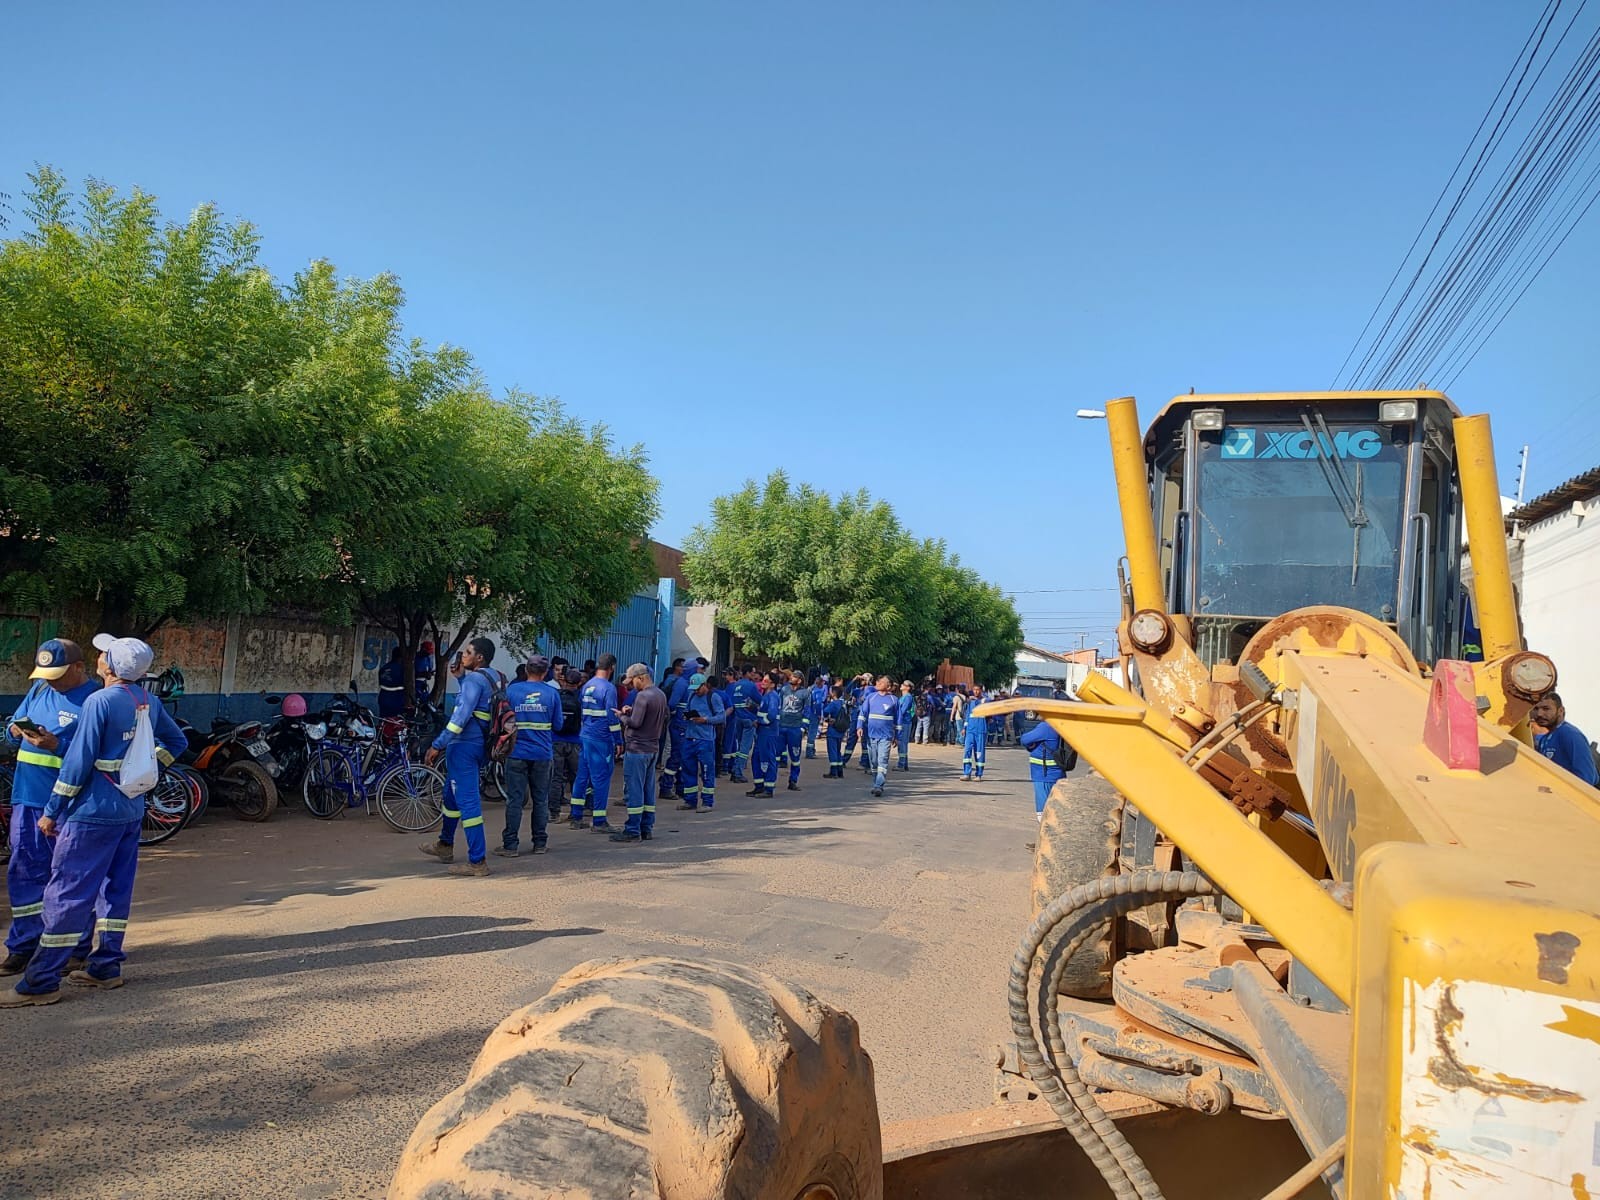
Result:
pixel 41 728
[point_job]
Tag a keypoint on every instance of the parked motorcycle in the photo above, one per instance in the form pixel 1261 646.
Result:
pixel 287 737
pixel 238 763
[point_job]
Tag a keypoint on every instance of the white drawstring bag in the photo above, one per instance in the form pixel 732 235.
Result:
pixel 140 770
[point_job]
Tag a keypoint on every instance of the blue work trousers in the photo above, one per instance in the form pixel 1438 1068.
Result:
pixel 810 727
pixel 764 764
pixel 700 772
pixel 878 751
pixel 598 761
pixel 835 752
pixel 793 738
pixel 973 747
pixel 26 877
pixel 91 882
pixel 463 797
pixel 527 781
pixel 639 790
pixel 747 746
pixel 672 780
pixel 1044 778
pixel 903 741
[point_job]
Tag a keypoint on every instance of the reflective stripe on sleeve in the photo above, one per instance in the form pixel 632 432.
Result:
pixel 108 764
pixel 480 714
pixel 164 756
pixel 67 790
pixel 28 910
pixel 39 759
pixel 453 727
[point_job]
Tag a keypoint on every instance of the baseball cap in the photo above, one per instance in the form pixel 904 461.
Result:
pixel 696 679
pixel 55 658
pixel 129 657
pixel 636 669
pixel 538 662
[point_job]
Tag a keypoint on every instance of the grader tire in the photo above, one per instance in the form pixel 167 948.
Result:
pixel 1079 840
pixel 657 1077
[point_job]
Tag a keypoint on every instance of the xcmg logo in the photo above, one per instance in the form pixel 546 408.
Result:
pixel 1297 443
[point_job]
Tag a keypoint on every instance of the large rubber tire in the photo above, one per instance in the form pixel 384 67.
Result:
pixel 1079 840
pixel 251 793
pixel 657 1077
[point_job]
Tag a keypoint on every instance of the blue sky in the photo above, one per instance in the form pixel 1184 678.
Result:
pixel 889 245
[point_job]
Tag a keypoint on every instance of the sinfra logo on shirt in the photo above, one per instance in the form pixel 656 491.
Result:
pixel 1299 444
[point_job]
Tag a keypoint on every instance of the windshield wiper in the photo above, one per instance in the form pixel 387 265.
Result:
pixel 1349 498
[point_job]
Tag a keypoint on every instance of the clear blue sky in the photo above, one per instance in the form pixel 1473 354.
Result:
pixel 890 245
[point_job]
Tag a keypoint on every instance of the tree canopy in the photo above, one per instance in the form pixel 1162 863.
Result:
pixel 186 436
pixel 810 579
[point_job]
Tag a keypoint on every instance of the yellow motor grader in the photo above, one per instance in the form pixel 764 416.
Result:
pixel 1319 878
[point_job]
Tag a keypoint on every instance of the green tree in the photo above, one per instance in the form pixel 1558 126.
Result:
pixel 806 578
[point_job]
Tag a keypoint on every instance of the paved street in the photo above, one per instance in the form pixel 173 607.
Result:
pixel 300 992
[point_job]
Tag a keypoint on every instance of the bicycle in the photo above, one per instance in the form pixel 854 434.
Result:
pixel 343 773
pixel 168 806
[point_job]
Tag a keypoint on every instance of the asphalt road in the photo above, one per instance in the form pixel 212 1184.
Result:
pixel 300 992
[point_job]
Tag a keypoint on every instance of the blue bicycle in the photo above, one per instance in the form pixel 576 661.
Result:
pixel 357 764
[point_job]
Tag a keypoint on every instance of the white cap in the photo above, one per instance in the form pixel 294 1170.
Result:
pixel 129 657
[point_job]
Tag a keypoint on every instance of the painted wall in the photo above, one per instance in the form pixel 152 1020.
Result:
pixel 1555 567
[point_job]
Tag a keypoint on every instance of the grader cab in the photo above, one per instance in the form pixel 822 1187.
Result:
pixel 1318 878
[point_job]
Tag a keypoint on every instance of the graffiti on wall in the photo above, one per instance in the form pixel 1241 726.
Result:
pixel 196 650
pixel 284 655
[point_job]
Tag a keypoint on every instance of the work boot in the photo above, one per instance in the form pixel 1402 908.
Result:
pixel 793 786
pixel 438 850
pixel 688 808
pixel 765 792
pixel 76 963
pixel 541 848
pixel 600 827
pixel 575 822
pixel 647 835
pixel 86 980
pixel 15 964
pixel 15 999
pixel 622 835
pixel 877 791
pixel 508 852
pixel 474 869
pixel 755 791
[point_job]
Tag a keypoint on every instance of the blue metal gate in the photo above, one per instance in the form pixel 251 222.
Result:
pixel 632 636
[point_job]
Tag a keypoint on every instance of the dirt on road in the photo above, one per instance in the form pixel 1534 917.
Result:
pixel 300 992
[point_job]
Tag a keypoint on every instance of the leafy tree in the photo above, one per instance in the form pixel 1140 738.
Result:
pixel 806 578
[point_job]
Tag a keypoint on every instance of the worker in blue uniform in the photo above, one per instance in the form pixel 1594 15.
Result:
pixel 879 728
pixel 538 707
pixel 793 702
pixel 1046 762
pixel 764 759
pixel 853 697
pixel 1560 741
pixel 835 720
pixel 600 739
pixel 464 742
pixel 94 828
pixel 746 702
pixel 730 729
pixel 818 700
pixel 422 670
pixel 975 741
pixel 906 717
pixel 392 685
pixel 704 717
pixel 41 729
pixel 670 757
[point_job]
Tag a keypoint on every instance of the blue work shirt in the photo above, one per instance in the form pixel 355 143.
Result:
pixel 880 716
pixel 57 713
pixel 793 703
pixel 538 706
pixel 818 701
pixel 908 709
pixel 828 711
pixel 600 720
pixel 713 708
pixel 976 724
pixel 470 719
pixel 678 694
pixel 746 699
pixel 1042 742
pixel 86 789
pixel 1567 747
pixel 392 689
pixel 769 707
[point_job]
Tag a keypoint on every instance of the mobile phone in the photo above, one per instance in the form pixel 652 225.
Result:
pixel 28 726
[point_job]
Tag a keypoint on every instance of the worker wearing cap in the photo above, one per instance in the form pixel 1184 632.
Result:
pixel 905 718
pixel 643 719
pixel 600 739
pixel 537 703
pixel 95 828
pixel 1043 745
pixel 705 715
pixel 764 743
pixel 464 743
pixel 51 709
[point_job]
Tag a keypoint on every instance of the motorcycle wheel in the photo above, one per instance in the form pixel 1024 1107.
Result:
pixel 249 790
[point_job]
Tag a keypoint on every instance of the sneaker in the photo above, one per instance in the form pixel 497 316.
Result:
pixel 508 852
pixel 474 869
pixel 793 787
pixel 622 835
pixel 877 791
pixel 688 808
pixel 84 979
pixel 15 964
pixel 438 850
pixel 15 999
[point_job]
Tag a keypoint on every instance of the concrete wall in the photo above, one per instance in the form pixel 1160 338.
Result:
pixel 694 631
pixel 1555 566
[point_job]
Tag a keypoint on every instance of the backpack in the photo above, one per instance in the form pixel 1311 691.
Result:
pixel 840 721
pixel 571 713
pixel 139 770
pixel 500 734
pixel 1066 756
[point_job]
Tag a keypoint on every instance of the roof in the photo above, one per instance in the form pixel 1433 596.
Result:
pixel 1041 652
pixel 1562 496
pixel 1222 399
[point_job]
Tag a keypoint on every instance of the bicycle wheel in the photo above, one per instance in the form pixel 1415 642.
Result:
pixel 411 797
pixel 199 791
pixel 328 783
pixel 166 808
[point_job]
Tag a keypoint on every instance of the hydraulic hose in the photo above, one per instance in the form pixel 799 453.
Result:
pixel 1049 943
